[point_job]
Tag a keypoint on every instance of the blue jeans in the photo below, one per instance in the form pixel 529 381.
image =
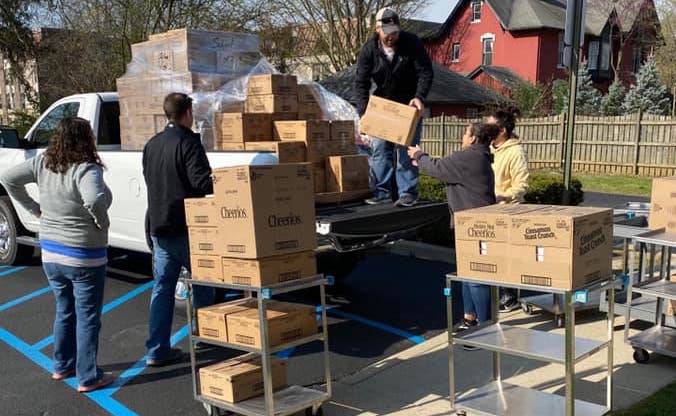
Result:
pixel 79 299
pixel 169 254
pixel 476 299
pixel 384 156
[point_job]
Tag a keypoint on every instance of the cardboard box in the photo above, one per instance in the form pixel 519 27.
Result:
pixel 283 117
pixel 240 378
pixel 211 320
pixel 239 128
pixel 487 260
pixel 206 267
pixel 265 210
pixel 207 240
pixel 391 121
pixel 489 223
pixel 663 204
pixel 306 93
pixel 269 270
pixel 287 151
pixel 310 111
pixel 343 131
pixel 277 84
pixel 315 134
pixel 226 146
pixel 201 212
pixel 347 173
pixel 286 322
pixel 319 177
pixel 671 306
pixel 562 247
pixel 269 104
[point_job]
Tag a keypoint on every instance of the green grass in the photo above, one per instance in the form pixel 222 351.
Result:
pixel 662 403
pixel 621 185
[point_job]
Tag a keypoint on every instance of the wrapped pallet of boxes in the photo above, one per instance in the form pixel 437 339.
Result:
pixel 561 247
pixel 182 60
pixel 286 322
pixel 240 378
pixel 482 240
pixel 663 204
pixel 390 121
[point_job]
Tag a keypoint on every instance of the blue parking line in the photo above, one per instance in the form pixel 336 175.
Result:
pixel 416 339
pixel 106 402
pixel 25 298
pixel 11 270
pixel 140 365
pixel 106 308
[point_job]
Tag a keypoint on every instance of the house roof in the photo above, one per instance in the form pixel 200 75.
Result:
pixel 448 87
pixel 421 28
pixel 516 15
pixel 503 75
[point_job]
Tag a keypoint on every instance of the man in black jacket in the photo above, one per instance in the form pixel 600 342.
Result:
pixel 397 63
pixel 175 167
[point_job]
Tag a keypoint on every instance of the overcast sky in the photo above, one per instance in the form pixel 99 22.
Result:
pixel 437 11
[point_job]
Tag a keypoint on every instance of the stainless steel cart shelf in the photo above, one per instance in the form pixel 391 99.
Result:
pixel 642 308
pixel 286 401
pixel 660 338
pixel 528 343
pixel 500 398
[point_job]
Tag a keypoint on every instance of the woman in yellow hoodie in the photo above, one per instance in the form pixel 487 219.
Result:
pixel 510 166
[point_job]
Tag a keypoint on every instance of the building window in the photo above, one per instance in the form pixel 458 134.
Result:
pixel 562 48
pixel 637 59
pixel 605 52
pixel 476 11
pixel 487 51
pixel 593 56
pixel 456 52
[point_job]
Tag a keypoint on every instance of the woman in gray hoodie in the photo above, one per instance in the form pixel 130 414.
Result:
pixel 73 212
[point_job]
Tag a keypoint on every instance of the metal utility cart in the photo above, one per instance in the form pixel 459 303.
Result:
pixel 288 400
pixel 660 338
pixel 500 398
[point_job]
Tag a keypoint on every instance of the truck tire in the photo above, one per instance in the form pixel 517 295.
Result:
pixel 10 228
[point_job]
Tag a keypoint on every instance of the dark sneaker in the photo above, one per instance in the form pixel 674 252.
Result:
pixel 405 201
pixel 466 324
pixel 378 200
pixel 508 305
pixel 105 380
pixel 174 355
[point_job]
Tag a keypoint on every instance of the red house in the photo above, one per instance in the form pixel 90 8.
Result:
pixel 524 38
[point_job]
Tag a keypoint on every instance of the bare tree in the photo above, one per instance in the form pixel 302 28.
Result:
pixel 664 55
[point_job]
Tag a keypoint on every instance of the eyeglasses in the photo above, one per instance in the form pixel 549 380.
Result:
pixel 390 20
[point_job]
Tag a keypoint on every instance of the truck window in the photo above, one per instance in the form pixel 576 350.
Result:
pixel 109 124
pixel 45 129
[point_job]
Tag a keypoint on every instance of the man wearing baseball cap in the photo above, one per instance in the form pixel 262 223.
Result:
pixel 396 61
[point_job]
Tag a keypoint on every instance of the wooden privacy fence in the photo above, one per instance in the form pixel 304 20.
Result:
pixel 636 144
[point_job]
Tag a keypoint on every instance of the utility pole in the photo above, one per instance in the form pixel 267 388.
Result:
pixel 574 38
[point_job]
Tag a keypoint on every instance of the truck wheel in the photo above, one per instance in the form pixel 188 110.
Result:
pixel 10 227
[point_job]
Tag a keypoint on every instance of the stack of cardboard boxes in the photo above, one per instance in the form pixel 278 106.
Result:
pixel 182 60
pixel 663 214
pixel 283 116
pixel 549 246
pixel 257 230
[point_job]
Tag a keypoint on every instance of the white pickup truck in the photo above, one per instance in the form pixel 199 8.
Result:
pixel 345 228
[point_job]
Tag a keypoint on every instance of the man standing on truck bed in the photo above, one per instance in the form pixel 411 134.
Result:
pixel 402 71
pixel 175 167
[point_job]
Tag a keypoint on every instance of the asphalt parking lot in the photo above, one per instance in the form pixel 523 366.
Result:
pixel 388 303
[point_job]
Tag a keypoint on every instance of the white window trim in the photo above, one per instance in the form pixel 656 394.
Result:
pixel 487 36
pixel 453 52
pixel 471 6
pixel 561 52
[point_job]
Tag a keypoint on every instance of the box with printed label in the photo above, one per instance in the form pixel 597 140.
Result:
pixel 207 240
pixel 319 175
pixel 306 93
pixel 391 121
pixel 310 111
pixel 489 223
pixel 239 127
pixel 269 270
pixel 277 84
pixel 561 247
pixel 347 173
pixel 269 104
pixel 342 130
pixel 482 259
pixel 286 322
pixel 287 151
pixel 211 320
pixel 201 212
pixel 206 267
pixel 315 134
pixel 240 378
pixel 265 210
pixel 663 204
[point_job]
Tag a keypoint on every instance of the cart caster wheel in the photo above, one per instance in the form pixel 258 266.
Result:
pixel 527 309
pixel 461 413
pixel 311 412
pixel 560 321
pixel 641 356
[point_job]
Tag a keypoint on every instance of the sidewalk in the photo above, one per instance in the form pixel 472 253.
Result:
pixel 415 381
